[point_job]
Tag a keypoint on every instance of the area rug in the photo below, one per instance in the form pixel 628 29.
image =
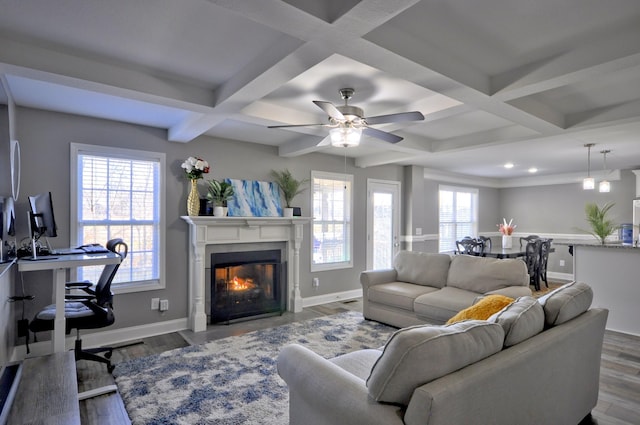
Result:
pixel 234 380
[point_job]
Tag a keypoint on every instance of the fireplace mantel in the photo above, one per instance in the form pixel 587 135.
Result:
pixel 209 230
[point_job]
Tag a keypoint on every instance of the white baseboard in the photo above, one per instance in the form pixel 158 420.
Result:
pixel 560 276
pixel 105 338
pixel 328 298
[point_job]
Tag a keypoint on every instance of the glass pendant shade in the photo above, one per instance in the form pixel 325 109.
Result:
pixel 588 183
pixel 345 136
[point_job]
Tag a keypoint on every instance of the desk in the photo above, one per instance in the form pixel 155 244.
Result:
pixel 59 265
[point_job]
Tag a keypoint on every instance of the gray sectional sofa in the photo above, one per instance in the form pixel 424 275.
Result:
pixel 534 362
pixel 432 288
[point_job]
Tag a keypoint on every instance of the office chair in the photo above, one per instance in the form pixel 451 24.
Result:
pixel 90 311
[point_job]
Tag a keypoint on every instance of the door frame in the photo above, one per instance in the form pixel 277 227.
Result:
pixel 393 187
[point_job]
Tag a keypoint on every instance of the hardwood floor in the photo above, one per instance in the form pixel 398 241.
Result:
pixel 618 403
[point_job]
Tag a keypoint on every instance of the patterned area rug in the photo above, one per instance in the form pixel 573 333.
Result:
pixel 234 380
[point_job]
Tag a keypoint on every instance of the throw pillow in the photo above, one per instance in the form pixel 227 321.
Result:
pixel 520 320
pixel 483 309
pixel 566 302
pixel 417 355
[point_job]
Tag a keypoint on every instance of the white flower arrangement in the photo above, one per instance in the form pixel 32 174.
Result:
pixel 195 167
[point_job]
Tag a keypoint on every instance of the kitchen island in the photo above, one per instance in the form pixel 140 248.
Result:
pixel 613 271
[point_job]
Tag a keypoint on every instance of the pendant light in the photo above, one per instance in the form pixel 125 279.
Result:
pixel 588 183
pixel 605 186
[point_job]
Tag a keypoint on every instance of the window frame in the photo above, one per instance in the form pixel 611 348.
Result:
pixel 475 193
pixel 341 177
pixel 77 149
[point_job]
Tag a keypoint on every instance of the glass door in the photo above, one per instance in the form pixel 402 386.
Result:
pixel 383 223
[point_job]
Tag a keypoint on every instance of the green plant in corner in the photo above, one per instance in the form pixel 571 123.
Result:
pixel 601 225
pixel 289 185
pixel 219 192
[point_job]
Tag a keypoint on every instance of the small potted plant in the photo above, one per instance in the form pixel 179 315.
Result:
pixel 290 187
pixel 219 192
pixel 601 225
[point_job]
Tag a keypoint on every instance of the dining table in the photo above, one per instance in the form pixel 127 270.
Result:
pixel 499 252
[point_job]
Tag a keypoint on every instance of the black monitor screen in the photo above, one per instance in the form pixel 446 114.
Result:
pixel 42 215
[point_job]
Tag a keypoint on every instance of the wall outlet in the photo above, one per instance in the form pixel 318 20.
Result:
pixel 561 263
pixel 418 231
pixel 316 282
pixel 155 303
pixel 164 305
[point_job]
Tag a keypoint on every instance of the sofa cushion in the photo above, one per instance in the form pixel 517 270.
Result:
pixel 358 363
pixel 397 294
pixel 520 320
pixel 483 309
pixel 419 354
pixel 440 306
pixel 422 268
pixel 483 274
pixel 566 302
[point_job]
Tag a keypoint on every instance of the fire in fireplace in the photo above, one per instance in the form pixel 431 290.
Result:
pixel 246 284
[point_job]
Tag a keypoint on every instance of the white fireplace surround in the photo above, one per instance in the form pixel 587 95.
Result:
pixel 209 230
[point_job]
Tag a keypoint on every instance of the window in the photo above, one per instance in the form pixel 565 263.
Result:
pixel 332 229
pixel 458 208
pixel 120 193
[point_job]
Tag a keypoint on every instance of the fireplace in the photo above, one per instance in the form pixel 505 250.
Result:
pixel 246 284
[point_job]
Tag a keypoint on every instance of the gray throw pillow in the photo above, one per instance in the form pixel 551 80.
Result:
pixel 419 354
pixel 520 320
pixel 566 302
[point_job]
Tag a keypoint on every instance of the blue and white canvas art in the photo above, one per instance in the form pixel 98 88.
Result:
pixel 254 198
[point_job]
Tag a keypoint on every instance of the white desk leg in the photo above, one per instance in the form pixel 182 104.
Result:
pixel 58 337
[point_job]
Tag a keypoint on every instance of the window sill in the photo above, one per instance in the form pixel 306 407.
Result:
pixel 126 288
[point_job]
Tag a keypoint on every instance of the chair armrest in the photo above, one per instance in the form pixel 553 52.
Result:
pixel 321 392
pixel 375 277
pixel 74 285
pixel 77 298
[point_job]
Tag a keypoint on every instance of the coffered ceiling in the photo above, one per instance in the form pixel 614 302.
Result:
pixel 527 82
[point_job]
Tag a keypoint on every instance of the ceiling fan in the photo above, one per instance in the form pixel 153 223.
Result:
pixel 347 123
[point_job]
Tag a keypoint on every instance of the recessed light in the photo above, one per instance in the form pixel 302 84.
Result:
pixel 508 165
pixel 533 170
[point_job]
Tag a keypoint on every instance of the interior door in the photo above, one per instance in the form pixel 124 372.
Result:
pixel 383 223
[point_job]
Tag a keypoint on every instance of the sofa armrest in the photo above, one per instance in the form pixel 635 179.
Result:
pixel 375 277
pixel 322 393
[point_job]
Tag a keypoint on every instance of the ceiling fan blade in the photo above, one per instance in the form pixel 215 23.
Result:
pixel 330 109
pixel 382 135
pixel 402 116
pixel 294 125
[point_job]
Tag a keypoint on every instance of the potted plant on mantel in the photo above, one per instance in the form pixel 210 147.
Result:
pixel 219 193
pixel 290 187
pixel 601 225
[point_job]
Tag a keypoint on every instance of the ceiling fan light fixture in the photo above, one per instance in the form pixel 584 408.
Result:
pixel 344 137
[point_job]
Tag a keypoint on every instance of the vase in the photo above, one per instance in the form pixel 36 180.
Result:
pixel 287 212
pixel 218 211
pixel 507 241
pixel 193 200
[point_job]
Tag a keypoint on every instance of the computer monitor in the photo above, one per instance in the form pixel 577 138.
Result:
pixel 42 219
pixel 7 224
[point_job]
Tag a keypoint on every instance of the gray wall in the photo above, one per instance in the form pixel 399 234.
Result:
pixel 45 138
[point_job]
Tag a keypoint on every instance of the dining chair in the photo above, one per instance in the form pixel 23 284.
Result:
pixel 532 260
pixel 469 246
pixel 545 248
pixel 526 239
pixel 486 241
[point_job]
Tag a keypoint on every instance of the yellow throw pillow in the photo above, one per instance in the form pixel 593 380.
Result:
pixel 483 309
